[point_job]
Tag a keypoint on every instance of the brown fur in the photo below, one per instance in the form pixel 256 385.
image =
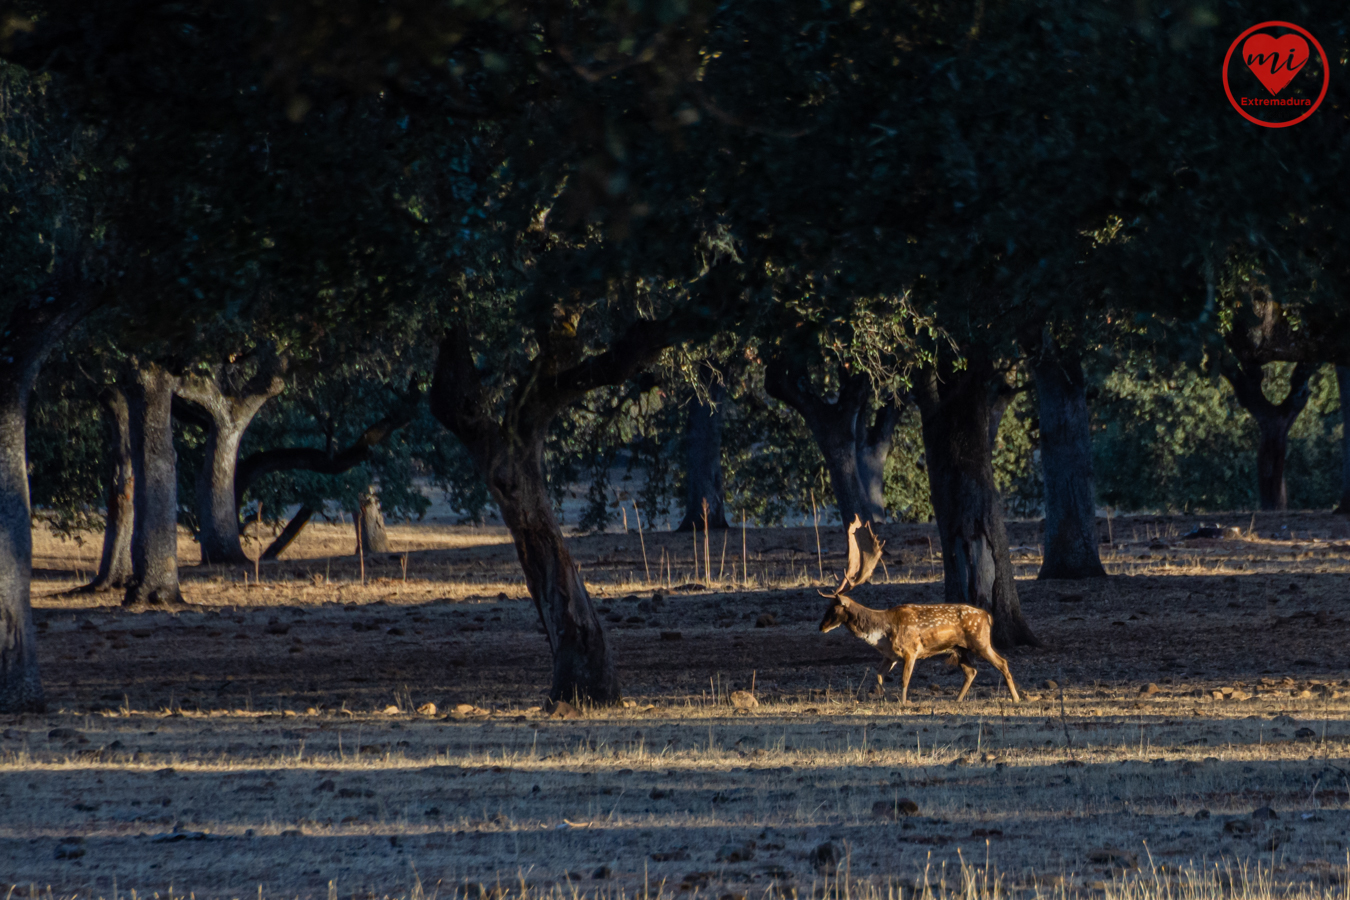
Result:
pixel 914 632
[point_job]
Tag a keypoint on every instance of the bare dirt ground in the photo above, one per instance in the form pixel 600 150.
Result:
pixel 1192 709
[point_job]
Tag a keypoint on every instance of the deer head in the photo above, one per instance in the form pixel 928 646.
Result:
pixel 864 552
pixel 834 615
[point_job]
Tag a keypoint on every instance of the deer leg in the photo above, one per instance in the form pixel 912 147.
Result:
pixel 904 679
pixel 881 678
pixel 969 671
pixel 1001 664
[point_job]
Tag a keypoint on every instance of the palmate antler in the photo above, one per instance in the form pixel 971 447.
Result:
pixel 864 552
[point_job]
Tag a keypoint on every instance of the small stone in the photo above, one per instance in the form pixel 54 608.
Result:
pixel 1265 813
pixel 679 855
pixel 70 848
pixel 733 853
pixel 744 700
pixel 1114 856
pixel 564 710
pixel 825 857
pixel 391 710
pixel 1051 684
pixel 894 809
pixel 66 734
pixel 427 709
pixel 1305 734
pixel 1150 689
pixel 465 709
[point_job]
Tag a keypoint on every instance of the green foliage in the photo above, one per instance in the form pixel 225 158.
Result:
pixel 1167 437
pixel 1313 469
pixel 1017 463
pixel 772 469
pixel 906 475
pixel 67 466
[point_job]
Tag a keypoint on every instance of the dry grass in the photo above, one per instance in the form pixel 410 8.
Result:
pixel 266 740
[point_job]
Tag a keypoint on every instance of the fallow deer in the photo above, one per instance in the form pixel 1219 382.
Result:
pixel 912 632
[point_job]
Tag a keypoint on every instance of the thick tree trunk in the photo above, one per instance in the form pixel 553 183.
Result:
pixel 1066 466
pixel 703 459
pixel 230 413
pixel 154 543
pixel 583 666
pixel 20 684
pixel 873 449
pixel 114 567
pixel 976 567
pixel 217 516
pixel 1272 450
pixel 1273 421
pixel 370 534
pixel 1343 384
pixel 35 325
pixel 509 456
pixel 289 533
pixel 834 425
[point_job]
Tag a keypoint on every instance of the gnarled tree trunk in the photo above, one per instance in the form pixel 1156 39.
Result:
pixel 369 521
pixel 114 567
pixel 35 324
pixel 703 457
pixel 855 454
pixel 1066 465
pixel 1273 421
pixel 976 567
pixel 154 542
pixel 1343 385
pixel 230 415
pixel 873 449
pixel 508 453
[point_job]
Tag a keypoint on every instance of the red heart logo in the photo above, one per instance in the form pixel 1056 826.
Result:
pixel 1275 60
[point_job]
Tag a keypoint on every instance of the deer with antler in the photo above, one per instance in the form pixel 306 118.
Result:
pixel 913 632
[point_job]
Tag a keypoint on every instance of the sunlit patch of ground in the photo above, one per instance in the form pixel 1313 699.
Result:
pixel 268 735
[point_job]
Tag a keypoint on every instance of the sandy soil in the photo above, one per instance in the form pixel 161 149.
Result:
pixel 267 739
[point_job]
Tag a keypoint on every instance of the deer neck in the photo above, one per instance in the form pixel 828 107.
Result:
pixel 871 625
